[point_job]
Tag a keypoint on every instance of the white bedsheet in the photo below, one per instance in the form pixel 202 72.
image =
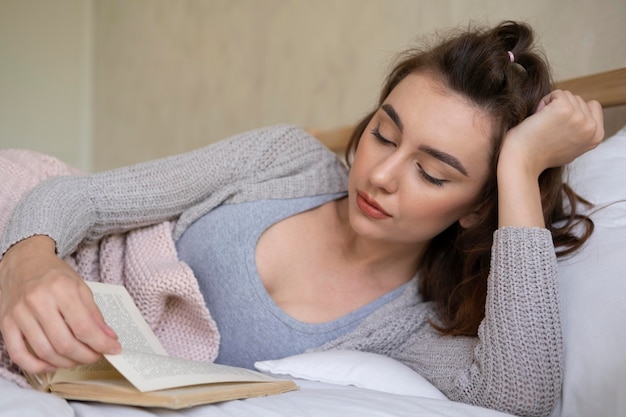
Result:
pixel 314 398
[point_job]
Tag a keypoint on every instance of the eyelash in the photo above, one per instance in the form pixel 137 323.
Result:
pixel 381 138
pixel 434 181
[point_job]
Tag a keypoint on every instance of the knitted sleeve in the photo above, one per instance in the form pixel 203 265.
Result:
pixel 71 209
pixel 515 363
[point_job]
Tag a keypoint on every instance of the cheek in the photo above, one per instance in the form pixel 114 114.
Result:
pixel 359 166
pixel 438 207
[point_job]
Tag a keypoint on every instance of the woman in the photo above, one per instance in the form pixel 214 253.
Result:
pixel 437 248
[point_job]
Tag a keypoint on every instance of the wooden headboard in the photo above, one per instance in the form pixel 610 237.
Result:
pixel 609 88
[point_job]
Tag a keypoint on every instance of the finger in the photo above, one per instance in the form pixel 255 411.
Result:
pixel 571 97
pixel 29 348
pixel 87 324
pixel 552 97
pixel 598 115
pixel 542 104
pixel 594 120
pixel 43 322
pixel 573 109
pixel 18 349
pixel 66 346
pixel 87 297
pixel 42 338
pixel 20 353
pixel 584 108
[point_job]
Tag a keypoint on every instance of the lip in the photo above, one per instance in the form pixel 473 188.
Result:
pixel 370 207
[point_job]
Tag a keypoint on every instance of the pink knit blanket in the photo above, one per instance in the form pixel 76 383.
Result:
pixel 143 260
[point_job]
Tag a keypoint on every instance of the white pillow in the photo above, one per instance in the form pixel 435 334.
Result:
pixel 593 291
pixel 361 369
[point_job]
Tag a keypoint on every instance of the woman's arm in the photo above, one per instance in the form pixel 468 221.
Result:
pixel 47 315
pixel 73 209
pixel 517 365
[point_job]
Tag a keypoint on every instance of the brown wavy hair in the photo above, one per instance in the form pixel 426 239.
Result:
pixel 476 64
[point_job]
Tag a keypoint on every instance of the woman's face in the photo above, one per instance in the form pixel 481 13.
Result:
pixel 420 164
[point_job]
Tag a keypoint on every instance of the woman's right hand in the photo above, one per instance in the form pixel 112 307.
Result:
pixel 564 127
pixel 48 317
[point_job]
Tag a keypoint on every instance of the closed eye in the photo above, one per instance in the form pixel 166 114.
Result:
pixel 429 178
pixel 376 133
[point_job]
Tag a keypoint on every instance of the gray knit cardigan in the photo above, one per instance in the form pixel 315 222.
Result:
pixel 515 363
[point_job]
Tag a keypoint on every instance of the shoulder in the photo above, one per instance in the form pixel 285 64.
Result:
pixel 274 150
pixel 282 137
pixel 284 149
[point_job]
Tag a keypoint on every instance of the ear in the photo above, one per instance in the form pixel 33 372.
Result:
pixel 470 219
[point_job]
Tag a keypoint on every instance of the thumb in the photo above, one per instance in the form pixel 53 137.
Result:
pixel 542 104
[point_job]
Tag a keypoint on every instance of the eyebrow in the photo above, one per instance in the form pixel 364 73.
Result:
pixel 393 115
pixel 444 157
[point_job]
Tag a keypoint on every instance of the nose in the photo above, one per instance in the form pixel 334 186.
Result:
pixel 385 174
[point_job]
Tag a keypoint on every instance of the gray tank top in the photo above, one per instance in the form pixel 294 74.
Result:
pixel 220 249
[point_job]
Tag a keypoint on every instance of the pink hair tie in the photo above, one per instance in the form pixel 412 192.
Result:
pixel 511 56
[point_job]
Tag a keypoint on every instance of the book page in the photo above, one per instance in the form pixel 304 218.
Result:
pixel 144 361
pixel 99 370
pixel 149 372
pixel 123 316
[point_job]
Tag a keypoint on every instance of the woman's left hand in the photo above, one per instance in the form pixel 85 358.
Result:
pixel 563 128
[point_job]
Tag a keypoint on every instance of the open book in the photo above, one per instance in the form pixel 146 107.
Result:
pixel 144 375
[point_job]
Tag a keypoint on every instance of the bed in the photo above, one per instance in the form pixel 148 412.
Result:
pixel 593 290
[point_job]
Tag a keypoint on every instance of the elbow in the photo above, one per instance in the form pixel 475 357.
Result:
pixel 529 391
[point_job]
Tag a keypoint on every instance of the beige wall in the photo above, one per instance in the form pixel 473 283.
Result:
pixel 171 75
pixel 175 75
pixel 45 83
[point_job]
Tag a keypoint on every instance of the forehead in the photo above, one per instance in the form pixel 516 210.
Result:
pixel 433 115
pixel 421 94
